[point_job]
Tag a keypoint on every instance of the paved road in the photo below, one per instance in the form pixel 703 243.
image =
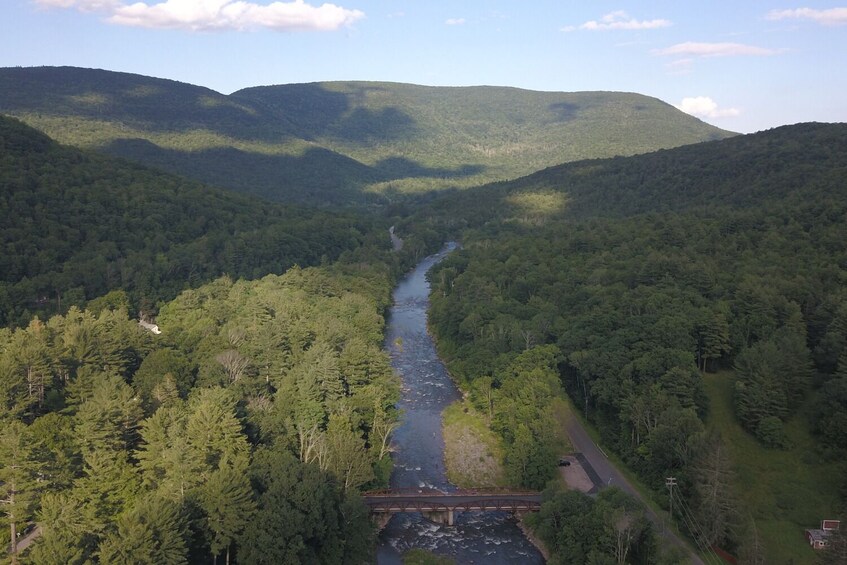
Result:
pixel 609 475
pixel 26 540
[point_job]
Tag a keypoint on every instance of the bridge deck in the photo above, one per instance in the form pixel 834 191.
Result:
pixel 426 500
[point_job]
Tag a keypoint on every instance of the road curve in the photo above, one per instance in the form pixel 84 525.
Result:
pixel 610 476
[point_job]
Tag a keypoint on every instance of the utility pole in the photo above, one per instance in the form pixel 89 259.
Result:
pixel 670 482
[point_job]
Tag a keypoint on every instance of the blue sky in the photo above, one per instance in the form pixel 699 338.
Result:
pixel 744 65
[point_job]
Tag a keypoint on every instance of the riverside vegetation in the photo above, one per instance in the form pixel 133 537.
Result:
pixel 689 301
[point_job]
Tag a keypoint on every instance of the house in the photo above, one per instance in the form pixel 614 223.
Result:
pixel 152 327
pixel 818 537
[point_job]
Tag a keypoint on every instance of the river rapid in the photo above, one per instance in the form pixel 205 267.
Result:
pixel 477 537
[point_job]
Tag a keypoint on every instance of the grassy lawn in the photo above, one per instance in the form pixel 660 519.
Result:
pixel 784 490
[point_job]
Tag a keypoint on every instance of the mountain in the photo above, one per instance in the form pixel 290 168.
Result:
pixel 786 166
pixel 693 302
pixel 339 143
pixel 77 225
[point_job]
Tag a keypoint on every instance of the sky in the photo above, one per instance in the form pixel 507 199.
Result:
pixel 742 65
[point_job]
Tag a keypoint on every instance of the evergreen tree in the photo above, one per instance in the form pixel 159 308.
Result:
pixel 152 532
pixel 226 501
pixel 19 477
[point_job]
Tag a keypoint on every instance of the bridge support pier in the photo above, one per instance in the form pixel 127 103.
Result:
pixel 445 517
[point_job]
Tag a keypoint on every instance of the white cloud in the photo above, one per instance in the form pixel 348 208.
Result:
pixel 196 15
pixel 705 107
pixel 455 21
pixel 81 5
pixel 693 49
pixel 619 20
pixel 830 17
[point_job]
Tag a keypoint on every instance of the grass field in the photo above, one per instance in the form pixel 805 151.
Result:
pixel 784 490
pixel 473 454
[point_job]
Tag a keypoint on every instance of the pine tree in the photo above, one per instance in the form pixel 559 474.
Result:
pixel 153 532
pixel 19 476
pixel 227 501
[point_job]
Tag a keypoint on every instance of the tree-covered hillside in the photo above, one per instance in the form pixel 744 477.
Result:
pixel 792 164
pixel 339 143
pixel 244 430
pixel 241 434
pixel 462 136
pixel 642 277
pixel 77 225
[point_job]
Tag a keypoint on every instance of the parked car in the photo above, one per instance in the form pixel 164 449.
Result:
pixel 564 462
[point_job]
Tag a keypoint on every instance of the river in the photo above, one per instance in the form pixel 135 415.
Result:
pixel 477 537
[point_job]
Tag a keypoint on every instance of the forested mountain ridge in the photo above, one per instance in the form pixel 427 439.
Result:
pixel 642 277
pixel 467 134
pixel 339 143
pixel 788 165
pixel 78 225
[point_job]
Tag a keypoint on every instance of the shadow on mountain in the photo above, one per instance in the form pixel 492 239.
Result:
pixel 387 124
pixel 564 111
pixel 401 167
pixel 312 111
pixel 318 177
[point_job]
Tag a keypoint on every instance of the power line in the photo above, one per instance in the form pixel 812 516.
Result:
pixel 697 530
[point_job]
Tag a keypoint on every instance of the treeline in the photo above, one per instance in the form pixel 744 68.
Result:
pixel 77 225
pixel 632 311
pixel 608 528
pixel 242 432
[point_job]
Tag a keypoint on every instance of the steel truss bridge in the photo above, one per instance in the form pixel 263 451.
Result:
pixel 441 506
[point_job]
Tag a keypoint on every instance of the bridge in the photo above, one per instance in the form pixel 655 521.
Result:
pixel 441 506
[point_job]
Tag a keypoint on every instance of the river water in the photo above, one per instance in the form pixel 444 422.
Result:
pixel 477 537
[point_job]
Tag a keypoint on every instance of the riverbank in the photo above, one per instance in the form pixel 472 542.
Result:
pixel 533 539
pixel 476 537
pixel 473 455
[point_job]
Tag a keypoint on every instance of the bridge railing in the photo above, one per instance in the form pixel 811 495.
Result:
pixel 429 492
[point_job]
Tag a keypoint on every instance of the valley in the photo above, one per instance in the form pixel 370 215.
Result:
pixel 681 286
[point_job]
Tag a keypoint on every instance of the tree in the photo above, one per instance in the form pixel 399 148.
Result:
pixel 716 506
pixel 831 419
pixel 150 533
pixel 234 364
pixel 155 369
pixel 713 336
pixel 527 464
pixel 19 476
pixel 62 460
pixel 347 457
pixel 169 465
pixel 65 539
pixel 227 502
pixel 298 518
pixel 213 432
pixel 484 390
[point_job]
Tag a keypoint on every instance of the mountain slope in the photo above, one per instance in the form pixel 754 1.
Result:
pixel 77 225
pixel 648 275
pixel 790 165
pixel 498 132
pixel 339 143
